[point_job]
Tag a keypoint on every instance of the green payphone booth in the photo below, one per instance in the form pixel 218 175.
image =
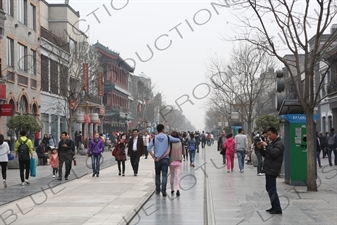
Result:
pixel 295 154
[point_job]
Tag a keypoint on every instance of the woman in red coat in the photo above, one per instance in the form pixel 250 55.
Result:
pixel 229 145
pixel 121 154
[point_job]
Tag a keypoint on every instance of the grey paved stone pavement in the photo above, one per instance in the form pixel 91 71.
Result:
pixel 240 198
pixel 209 195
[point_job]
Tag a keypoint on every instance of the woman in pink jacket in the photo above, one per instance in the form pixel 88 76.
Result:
pixel 229 145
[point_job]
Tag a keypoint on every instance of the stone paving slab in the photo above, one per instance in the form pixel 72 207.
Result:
pixel 107 199
pixel 44 179
pixel 232 191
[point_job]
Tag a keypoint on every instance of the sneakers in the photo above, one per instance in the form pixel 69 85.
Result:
pixel 228 171
pixel 27 181
pixel 23 184
pixel 178 193
pixel 260 174
pixel 241 171
pixel 60 178
pixel 232 170
pixel 5 184
pixel 53 176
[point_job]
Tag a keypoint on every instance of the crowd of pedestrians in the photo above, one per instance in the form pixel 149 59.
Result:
pixel 168 150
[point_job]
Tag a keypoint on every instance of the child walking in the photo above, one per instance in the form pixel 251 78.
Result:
pixel 229 145
pixel 54 162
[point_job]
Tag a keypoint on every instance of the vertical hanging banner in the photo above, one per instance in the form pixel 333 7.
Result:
pixel 100 84
pixel 85 77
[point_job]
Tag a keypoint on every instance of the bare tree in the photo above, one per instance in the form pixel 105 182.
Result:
pixel 298 27
pixel 239 84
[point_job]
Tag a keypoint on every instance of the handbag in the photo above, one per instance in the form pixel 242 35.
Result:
pixel 33 167
pixel 114 152
pixel 10 157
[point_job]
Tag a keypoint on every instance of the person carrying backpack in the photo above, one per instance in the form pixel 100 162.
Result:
pixel 192 147
pixel 24 151
pixel 331 141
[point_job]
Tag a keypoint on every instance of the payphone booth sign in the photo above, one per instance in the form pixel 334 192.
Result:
pixel 6 110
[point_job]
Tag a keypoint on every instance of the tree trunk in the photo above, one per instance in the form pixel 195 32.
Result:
pixel 249 133
pixel 311 159
pixel 70 123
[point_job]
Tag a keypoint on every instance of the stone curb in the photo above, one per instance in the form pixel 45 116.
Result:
pixel 134 212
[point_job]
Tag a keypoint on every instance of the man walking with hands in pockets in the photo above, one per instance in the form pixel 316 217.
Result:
pixel 241 146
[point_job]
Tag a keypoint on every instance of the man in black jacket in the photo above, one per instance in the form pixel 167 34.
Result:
pixel 135 150
pixel 66 154
pixel 273 158
pixel 221 142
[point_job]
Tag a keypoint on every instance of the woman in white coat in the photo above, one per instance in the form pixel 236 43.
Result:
pixel 4 151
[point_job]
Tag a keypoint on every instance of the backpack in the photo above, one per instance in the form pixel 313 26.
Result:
pixel 23 150
pixel 331 140
pixel 192 146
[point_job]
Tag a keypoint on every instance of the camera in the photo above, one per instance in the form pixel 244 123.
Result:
pixel 257 138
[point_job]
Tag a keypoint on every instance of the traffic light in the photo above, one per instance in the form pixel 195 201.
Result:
pixel 280 95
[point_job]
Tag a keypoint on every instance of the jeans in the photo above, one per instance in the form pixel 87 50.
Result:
pixel 259 161
pixel 329 151
pixel 318 158
pixel 192 156
pixel 272 192
pixel 161 167
pixel 24 165
pixel 241 159
pixel 95 163
pixel 175 168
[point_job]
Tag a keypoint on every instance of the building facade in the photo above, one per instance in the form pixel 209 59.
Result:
pixel 116 90
pixel 20 40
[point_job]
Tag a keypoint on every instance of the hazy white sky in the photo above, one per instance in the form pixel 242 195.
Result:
pixel 175 71
pixel 194 29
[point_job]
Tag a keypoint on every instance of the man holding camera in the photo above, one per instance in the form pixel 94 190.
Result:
pixel 273 158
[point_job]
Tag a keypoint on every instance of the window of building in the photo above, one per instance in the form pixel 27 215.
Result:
pixel 10 52
pixel 32 62
pixel 44 73
pixel 23 105
pixel 32 17
pixel 64 78
pixel 22 80
pixel 9 7
pixel 10 76
pixel 54 75
pixel 23 58
pixel 33 83
pixel 22 11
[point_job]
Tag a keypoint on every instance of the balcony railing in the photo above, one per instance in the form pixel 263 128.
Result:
pixel 54 39
pixel 93 99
